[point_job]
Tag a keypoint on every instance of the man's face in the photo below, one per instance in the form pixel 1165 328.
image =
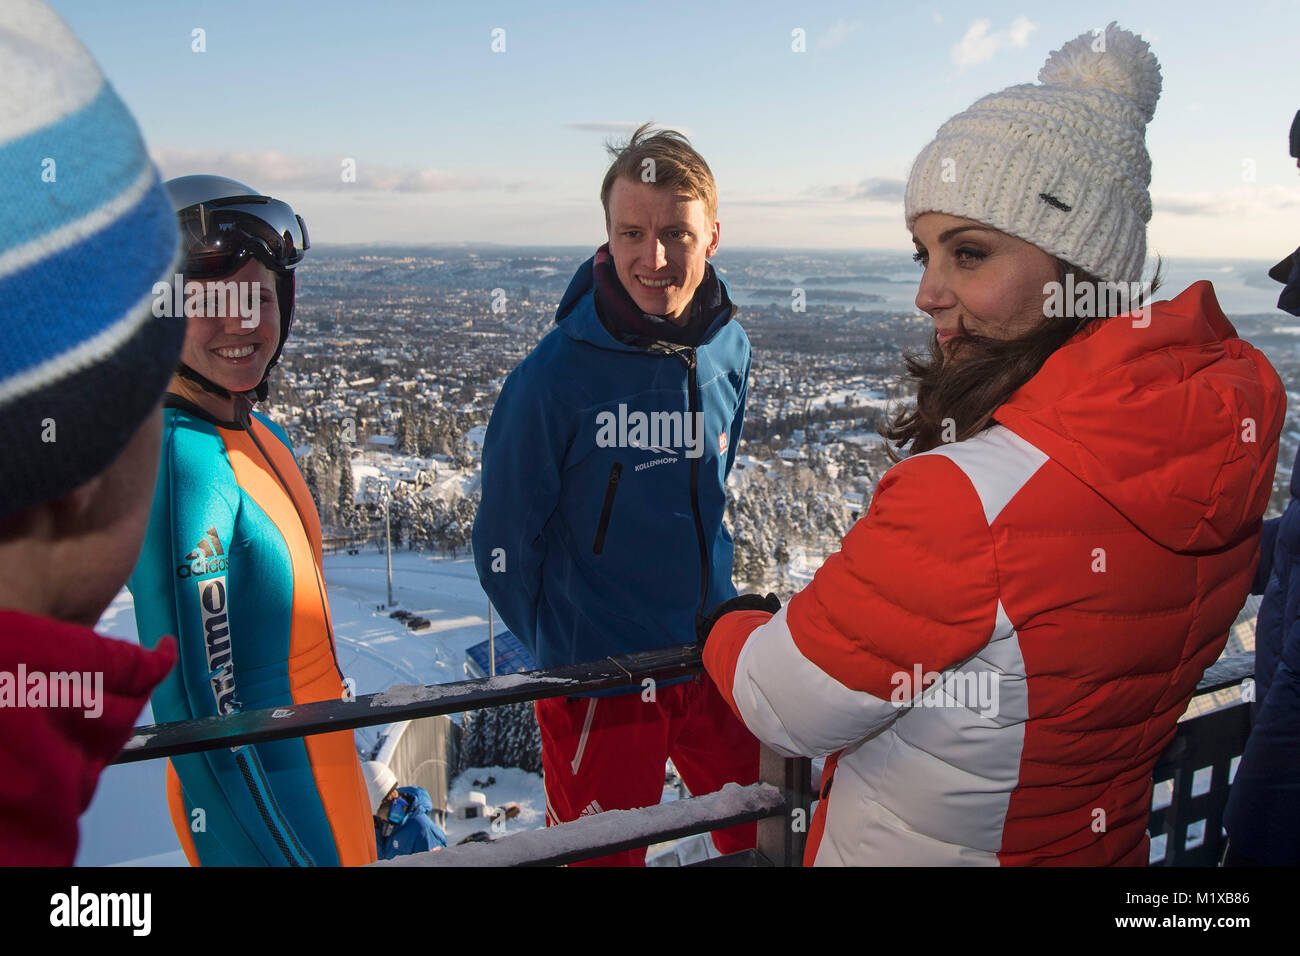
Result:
pixel 659 240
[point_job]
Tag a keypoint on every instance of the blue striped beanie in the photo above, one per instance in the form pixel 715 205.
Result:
pixel 86 230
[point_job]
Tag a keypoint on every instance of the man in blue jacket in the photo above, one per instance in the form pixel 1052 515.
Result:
pixel 401 814
pixel 600 528
pixel 1263 812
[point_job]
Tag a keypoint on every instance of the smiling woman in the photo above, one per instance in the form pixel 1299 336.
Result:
pixel 232 558
pixel 232 347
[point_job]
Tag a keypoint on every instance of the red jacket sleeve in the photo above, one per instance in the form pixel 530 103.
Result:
pixel 912 592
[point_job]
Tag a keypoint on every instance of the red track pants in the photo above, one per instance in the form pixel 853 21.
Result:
pixel 608 753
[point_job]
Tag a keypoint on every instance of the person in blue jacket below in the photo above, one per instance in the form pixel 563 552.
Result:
pixel 1263 812
pixel 401 814
pixel 600 531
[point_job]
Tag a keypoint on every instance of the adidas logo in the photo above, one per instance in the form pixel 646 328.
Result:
pixel 208 556
pixel 591 808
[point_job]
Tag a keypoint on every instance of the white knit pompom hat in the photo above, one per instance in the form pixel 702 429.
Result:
pixel 1062 164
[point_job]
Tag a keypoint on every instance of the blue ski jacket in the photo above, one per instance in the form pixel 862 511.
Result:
pixel 415 834
pixel 600 530
pixel 1263 812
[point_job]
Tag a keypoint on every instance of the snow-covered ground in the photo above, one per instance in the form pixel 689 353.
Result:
pixel 372 469
pixel 128 820
pixel 863 398
pixel 510 785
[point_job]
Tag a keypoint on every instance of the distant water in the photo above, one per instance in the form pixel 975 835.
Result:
pixel 1242 286
pixel 871 281
pixel 888 281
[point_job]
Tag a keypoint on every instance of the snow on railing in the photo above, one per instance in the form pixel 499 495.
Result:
pixel 611 831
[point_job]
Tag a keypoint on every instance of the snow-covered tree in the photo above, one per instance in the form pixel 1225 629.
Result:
pixel 505 736
pixel 345 506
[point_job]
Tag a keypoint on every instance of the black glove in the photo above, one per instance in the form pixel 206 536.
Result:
pixel 742 602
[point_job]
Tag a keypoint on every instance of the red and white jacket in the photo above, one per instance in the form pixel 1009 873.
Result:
pixel 1057 585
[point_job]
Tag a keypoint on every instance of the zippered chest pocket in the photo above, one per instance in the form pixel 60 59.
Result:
pixel 611 489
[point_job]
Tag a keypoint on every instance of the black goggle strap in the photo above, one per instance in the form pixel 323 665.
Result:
pixel 184 371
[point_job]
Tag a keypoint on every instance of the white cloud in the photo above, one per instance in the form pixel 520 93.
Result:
pixel 269 170
pixel 839 31
pixel 981 42
pixel 875 188
pixel 1244 203
pixel 624 130
pixel 603 127
pixel 1018 32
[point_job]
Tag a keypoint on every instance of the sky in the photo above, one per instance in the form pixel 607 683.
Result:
pixel 486 121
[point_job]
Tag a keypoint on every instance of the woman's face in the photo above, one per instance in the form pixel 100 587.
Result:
pixel 990 281
pixel 231 343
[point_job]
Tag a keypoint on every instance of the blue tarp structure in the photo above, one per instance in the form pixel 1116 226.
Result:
pixel 512 657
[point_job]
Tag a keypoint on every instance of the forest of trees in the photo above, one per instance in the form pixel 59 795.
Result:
pixel 776 509
pixel 774 515
pixel 420 521
pixel 501 737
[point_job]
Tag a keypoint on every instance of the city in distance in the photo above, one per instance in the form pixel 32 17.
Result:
pixel 399 353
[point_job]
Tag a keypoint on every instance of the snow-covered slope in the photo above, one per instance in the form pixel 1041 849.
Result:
pixel 127 821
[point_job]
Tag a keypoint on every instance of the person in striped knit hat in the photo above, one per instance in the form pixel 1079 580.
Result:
pixel 86 230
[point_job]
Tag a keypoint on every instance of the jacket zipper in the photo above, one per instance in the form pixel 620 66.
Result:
pixel 271 817
pixel 688 358
pixel 611 489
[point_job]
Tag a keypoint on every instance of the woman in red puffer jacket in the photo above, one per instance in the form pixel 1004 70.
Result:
pixel 1003 646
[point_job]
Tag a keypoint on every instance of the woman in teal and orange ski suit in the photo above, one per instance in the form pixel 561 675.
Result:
pixel 231 562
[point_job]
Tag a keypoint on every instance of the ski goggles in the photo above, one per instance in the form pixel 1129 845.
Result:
pixel 219 236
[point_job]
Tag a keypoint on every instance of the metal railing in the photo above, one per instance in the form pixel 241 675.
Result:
pixel 1186 828
pixel 779 842
pixel 1195 771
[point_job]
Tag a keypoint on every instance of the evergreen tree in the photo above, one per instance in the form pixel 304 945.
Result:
pixel 501 737
pixel 471 741
pixel 781 555
pixel 345 504
pixel 311 475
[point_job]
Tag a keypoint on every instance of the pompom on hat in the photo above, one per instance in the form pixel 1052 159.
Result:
pixel 86 230
pixel 1062 163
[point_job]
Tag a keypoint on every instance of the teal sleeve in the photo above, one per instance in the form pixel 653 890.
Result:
pixel 181 587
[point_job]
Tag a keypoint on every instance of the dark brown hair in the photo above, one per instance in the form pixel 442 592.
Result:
pixel 676 165
pixel 969 389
